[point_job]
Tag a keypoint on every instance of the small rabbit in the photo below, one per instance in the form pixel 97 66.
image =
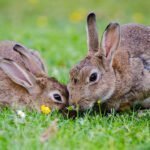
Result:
pixel 24 81
pixel 117 73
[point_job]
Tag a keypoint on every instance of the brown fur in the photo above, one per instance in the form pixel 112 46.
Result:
pixel 15 95
pixel 123 63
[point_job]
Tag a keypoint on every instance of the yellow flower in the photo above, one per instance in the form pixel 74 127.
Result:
pixel 45 110
pixel 42 21
pixel 77 16
pixel 138 17
pixel 33 2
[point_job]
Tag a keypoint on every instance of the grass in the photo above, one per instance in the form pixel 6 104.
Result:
pixel 57 30
pixel 126 131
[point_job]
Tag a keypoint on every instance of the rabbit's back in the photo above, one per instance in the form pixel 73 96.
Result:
pixel 135 39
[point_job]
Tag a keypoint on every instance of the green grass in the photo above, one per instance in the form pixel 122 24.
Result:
pixel 127 131
pixel 50 27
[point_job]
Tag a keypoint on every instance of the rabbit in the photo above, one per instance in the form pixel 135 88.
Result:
pixel 116 72
pixel 24 81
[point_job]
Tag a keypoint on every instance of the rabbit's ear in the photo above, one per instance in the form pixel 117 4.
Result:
pixel 18 74
pixel 31 63
pixel 40 62
pixel 110 40
pixel 92 35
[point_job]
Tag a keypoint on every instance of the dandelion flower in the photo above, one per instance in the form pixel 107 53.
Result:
pixel 138 17
pixel 33 2
pixel 45 110
pixel 42 21
pixel 77 16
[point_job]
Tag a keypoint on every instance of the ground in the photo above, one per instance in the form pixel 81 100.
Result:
pixel 57 30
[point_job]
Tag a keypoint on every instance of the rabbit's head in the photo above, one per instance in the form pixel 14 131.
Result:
pixel 53 93
pixel 93 78
pixel 33 80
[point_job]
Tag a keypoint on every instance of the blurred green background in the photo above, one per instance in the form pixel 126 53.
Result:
pixel 57 28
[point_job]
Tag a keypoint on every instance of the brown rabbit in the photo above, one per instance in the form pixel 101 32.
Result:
pixel 24 82
pixel 117 72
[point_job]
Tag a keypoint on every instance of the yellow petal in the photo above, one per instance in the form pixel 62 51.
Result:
pixel 45 109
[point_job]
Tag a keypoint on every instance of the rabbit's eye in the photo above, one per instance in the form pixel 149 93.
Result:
pixel 57 97
pixel 93 77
